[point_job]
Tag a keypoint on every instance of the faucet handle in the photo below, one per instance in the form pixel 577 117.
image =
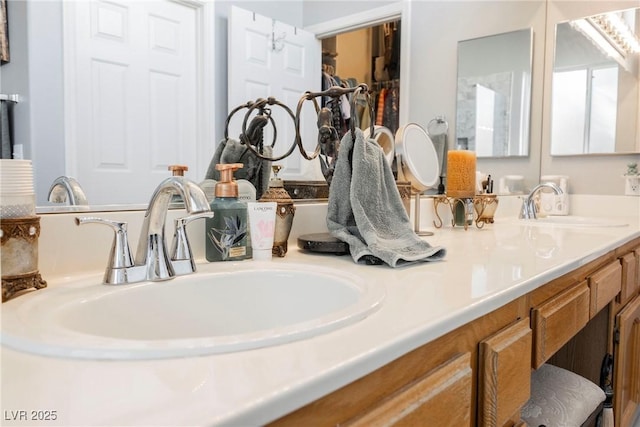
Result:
pixel 181 255
pixel 120 257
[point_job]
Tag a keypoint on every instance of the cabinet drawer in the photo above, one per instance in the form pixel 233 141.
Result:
pixel 556 321
pixel 629 277
pixel 505 374
pixel 605 284
pixel 441 397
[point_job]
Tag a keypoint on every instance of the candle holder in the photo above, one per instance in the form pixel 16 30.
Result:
pixel 478 209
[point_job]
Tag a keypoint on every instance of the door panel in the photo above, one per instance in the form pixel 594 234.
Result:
pixel 627 364
pixel 134 78
pixel 274 59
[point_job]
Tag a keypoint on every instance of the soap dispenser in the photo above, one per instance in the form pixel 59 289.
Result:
pixel 227 233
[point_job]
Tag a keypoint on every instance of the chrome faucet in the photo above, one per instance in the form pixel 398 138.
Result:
pixel 528 210
pixel 65 188
pixel 152 244
pixel 152 261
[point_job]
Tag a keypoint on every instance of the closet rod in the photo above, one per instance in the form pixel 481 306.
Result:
pixel 12 98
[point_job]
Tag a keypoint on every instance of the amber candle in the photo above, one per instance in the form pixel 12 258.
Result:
pixel 461 173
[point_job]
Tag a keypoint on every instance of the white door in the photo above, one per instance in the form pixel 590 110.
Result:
pixel 131 71
pixel 269 58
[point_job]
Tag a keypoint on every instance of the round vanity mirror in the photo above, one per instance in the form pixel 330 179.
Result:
pixel 418 157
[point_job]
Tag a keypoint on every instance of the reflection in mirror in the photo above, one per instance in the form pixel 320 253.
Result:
pixel 494 94
pixel 595 85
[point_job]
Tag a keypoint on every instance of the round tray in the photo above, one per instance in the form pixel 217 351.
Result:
pixel 322 242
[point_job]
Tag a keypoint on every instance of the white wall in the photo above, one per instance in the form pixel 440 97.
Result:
pixel 35 73
pixel 433 59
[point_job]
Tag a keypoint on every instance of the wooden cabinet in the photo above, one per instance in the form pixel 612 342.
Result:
pixel 627 364
pixel 435 383
pixel 630 276
pixel 504 381
pixel 605 285
pixel 479 374
pixel 441 397
pixel 556 321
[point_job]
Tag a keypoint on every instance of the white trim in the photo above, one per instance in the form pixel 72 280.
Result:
pixel 205 126
pixel 69 79
pixel 405 65
pixel 356 21
pixel 399 10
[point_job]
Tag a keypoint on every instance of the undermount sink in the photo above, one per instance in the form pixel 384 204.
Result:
pixel 578 221
pixel 257 305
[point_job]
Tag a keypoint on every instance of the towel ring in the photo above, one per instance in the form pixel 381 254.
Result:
pixel 233 112
pixel 333 92
pixel 438 120
pixel 311 97
pixel 260 103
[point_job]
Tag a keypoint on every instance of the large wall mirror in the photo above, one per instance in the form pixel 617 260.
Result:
pixel 494 94
pixel 595 90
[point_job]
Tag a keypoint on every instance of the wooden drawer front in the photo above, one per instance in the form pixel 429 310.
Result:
pixel 505 374
pixel 556 321
pixel 605 284
pixel 629 277
pixel 627 364
pixel 442 397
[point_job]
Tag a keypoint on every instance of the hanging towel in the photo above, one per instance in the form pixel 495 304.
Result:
pixel 255 170
pixel 441 145
pixel 5 131
pixel 365 209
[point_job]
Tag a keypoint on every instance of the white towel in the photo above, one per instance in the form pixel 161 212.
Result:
pixel 365 209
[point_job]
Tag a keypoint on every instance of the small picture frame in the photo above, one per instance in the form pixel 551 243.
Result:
pixel 4 33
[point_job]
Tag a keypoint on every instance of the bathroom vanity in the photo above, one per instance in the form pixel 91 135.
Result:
pixel 453 341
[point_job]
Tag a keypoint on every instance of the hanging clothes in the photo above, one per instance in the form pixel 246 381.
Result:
pixel 390 116
pixel 380 107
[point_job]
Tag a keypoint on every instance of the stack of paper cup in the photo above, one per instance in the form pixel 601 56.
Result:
pixel 17 197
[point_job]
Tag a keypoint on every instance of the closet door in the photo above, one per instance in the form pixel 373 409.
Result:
pixel 267 58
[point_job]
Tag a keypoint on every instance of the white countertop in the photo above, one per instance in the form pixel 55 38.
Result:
pixel 483 270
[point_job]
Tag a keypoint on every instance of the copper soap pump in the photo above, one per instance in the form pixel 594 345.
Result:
pixel 285 211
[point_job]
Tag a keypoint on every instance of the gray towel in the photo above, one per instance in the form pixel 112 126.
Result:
pixel 5 132
pixel 365 209
pixel 441 146
pixel 255 170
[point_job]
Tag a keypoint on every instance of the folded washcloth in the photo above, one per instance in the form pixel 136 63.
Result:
pixel 254 169
pixel 365 209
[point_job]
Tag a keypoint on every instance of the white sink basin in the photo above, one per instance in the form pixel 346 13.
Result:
pixel 578 221
pixel 255 306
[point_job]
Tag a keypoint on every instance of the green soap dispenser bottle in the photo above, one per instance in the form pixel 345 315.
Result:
pixel 227 232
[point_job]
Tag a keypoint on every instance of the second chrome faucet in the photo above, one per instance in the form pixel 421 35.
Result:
pixel 528 210
pixel 152 260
